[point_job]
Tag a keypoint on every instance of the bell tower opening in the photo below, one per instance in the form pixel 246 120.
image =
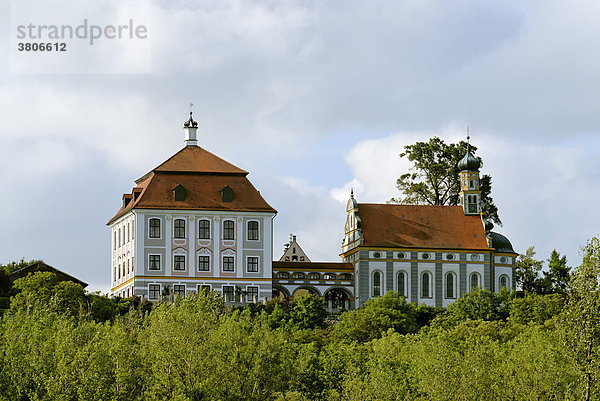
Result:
pixel 470 193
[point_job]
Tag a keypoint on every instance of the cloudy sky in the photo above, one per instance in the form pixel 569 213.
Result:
pixel 311 97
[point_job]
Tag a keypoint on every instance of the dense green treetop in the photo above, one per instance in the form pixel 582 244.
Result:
pixel 434 177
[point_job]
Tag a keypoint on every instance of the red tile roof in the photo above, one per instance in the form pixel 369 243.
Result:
pixel 416 226
pixel 194 159
pixel 203 175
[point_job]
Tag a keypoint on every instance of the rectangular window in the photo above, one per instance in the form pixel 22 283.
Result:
pixel 252 264
pixel 154 228
pixel 115 241
pixel 128 231
pixel 153 262
pixel 204 229
pixel 228 229
pixel 179 229
pixel 179 262
pixel 179 290
pixel 253 230
pixel 203 288
pixel 228 293
pixel 203 263
pixel 228 263
pixel 154 291
pixel 119 237
pixel 252 294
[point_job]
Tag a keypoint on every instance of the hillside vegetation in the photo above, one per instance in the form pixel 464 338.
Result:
pixel 59 343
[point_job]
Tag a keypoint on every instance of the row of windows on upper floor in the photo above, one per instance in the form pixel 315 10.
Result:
pixel 428 256
pixel 426 284
pixel 123 234
pixel 204 231
pixel 204 263
pixel 424 255
pixel 123 269
pixel 230 293
pixel 179 231
pixel 314 276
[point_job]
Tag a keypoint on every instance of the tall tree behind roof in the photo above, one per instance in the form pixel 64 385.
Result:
pixel 434 177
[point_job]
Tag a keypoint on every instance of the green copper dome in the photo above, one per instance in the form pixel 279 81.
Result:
pixel 469 162
pixel 500 243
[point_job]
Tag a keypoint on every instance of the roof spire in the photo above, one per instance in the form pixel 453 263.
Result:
pixel 468 140
pixel 352 192
pixel 469 162
pixel 190 127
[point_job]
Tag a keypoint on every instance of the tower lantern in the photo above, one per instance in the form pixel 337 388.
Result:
pixel 190 127
pixel 470 193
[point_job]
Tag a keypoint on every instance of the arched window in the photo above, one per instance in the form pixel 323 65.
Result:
pixel 330 276
pixel 179 228
pixel 345 276
pixel 204 229
pixel 504 281
pixel 283 275
pixel 474 280
pixel 154 228
pixel 314 276
pixel 426 285
pixel 253 230
pixel 228 229
pixel 450 292
pixel 299 275
pixel 402 284
pixel 376 284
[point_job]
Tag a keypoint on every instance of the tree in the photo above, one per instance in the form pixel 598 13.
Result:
pixel 43 290
pixel 582 317
pixel 434 179
pixel 558 272
pixel 535 308
pixel 480 305
pixel 379 315
pixel 527 273
pixel 308 312
pixel 16 265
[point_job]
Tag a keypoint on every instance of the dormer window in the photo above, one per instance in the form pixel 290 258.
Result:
pixel 227 194
pixel 126 200
pixel 179 193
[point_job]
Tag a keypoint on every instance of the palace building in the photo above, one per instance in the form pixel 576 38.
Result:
pixel 196 222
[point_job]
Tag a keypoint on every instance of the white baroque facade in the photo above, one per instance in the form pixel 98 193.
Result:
pixel 195 222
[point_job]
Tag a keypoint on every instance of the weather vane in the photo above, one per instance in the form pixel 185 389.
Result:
pixel 191 105
pixel 468 137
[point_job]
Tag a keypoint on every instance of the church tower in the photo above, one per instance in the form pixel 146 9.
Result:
pixel 470 194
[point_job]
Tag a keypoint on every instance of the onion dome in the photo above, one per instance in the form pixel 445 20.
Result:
pixel 500 243
pixel 469 162
pixel 190 123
